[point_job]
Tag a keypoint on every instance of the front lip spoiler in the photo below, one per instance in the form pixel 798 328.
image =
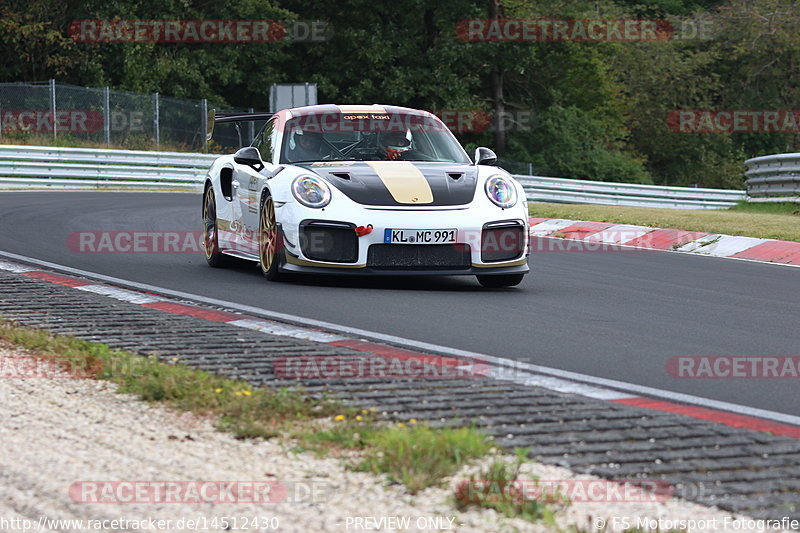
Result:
pixel 367 271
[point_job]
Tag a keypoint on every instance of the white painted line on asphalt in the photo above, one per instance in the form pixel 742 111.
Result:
pixel 124 295
pixel 504 364
pixel 286 331
pixel 618 234
pixel 720 245
pixel 14 267
pixel 542 229
pixel 570 387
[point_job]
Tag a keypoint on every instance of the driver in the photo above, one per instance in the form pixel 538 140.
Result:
pixel 393 144
pixel 305 146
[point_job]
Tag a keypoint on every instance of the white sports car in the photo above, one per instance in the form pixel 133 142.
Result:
pixel 364 190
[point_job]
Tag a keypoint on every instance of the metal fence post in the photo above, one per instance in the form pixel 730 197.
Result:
pixel 204 123
pixel 107 108
pixel 251 127
pixel 53 105
pixel 156 120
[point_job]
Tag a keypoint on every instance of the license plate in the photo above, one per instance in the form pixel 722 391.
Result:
pixel 419 236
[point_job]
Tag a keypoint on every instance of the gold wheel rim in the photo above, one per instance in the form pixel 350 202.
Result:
pixel 209 224
pixel 268 235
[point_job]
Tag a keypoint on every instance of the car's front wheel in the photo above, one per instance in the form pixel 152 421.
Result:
pixel 214 257
pixel 268 252
pixel 501 280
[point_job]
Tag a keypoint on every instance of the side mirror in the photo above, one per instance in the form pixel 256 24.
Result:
pixel 484 156
pixel 250 156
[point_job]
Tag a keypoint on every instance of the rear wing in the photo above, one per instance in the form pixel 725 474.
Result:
pixel 236 118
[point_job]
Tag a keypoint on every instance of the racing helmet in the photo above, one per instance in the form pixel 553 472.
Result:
pixel 308 140
pixel 393 143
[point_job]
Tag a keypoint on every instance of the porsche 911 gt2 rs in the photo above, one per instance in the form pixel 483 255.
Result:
pixel 371 190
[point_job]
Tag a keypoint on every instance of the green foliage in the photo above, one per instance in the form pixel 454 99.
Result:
pixel 768 208
pixel 601 109
pixel 237 407
pixel 573 143
pixel 498 486
pixel 419 456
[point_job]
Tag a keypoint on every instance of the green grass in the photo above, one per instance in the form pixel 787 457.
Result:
pixel 768 221
pixel 767 208
pixel 350 435
pixel 237 407
pixel 494 487
pixel 412 454
pixel 66 140
pixel 419 456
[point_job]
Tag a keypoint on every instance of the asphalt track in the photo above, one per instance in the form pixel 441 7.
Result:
pixel 618 315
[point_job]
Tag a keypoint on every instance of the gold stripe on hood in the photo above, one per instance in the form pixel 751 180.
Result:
pixel 404 181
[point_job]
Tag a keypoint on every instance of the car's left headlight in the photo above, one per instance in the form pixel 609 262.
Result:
pixel 311 191
pixel 501 191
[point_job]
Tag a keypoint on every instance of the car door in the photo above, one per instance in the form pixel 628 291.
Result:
pixel 250 183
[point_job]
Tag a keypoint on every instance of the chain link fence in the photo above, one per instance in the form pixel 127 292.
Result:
pixel 69 115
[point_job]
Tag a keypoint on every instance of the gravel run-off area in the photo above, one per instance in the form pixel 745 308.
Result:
pixel 67 440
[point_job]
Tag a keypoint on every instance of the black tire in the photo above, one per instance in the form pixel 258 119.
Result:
pixel 214 257
pixel 501 280
pixel 268 241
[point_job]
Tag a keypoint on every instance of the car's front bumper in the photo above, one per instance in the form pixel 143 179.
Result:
pixel 299 266
pixel 470 222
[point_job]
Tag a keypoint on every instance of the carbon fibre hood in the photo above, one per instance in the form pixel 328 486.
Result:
pixel 401 183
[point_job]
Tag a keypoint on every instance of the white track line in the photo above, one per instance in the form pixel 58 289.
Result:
pixel 508 368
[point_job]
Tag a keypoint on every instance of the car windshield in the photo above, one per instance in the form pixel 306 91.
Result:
pixel 369 137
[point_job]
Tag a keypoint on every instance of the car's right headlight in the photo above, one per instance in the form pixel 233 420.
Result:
pixel 311 191
pixel 501 191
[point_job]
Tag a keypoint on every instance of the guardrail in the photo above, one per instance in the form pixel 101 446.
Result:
pixel 36 167
pixel 571 191
pixel 773 178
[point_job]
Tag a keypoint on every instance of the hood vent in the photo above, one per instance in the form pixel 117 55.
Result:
pixel 342 175
pixel 455 175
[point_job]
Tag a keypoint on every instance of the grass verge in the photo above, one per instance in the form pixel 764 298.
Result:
pixel 767 221
pixel 497 487
pixel 236 406
pixel 65 140
pixel 412 454
pixel 776 208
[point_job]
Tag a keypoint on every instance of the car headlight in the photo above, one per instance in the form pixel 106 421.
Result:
pixel 501 191
pixel 311 191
